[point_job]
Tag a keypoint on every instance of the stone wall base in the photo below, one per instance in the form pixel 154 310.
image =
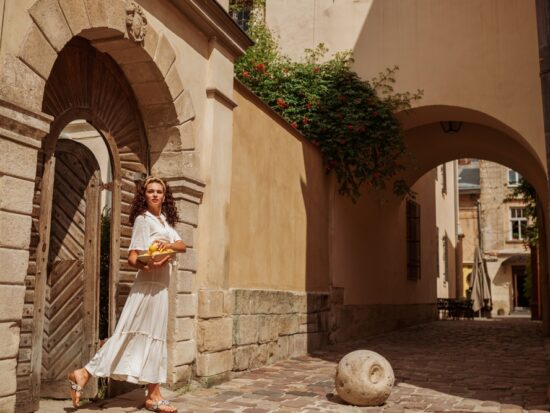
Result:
pixel 352 322
pixel 243 329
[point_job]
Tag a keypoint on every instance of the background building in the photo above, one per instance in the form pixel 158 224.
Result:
pixel 491 217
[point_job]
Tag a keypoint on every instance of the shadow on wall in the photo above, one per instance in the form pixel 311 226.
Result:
pixel 369 292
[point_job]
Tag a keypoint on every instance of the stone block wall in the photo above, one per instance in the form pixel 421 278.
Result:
pixel 269 326
pixel 214 337
pixel 242 329
pixel 182 344
pixel 21 132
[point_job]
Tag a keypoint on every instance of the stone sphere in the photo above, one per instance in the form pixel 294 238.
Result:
pixel 364 378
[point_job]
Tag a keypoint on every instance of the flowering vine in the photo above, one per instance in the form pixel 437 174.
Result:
pixel 350 120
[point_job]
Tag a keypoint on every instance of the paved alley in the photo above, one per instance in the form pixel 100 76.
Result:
pixel 461 366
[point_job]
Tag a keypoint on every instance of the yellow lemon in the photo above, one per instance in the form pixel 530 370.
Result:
pixel 153 248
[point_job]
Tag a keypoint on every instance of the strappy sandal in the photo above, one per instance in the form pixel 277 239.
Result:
pixel 77 389
pixel 157 406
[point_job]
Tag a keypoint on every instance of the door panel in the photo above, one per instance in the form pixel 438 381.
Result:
pixel 70 325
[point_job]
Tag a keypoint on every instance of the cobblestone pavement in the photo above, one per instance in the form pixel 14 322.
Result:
pixel 460 366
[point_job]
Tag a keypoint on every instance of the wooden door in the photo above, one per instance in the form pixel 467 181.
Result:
pixel 72 290
pixel 521 299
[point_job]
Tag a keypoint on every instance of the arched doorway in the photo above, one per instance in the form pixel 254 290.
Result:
pixel 84 84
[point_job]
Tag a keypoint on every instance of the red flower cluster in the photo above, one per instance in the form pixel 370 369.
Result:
pixel 260 67
pixel 294 125
pixel 246 74
pixel 305 120
pixel 282 103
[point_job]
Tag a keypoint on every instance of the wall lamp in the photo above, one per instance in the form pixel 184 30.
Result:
pixel 451 126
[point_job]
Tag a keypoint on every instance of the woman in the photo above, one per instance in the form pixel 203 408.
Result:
pixel 136 352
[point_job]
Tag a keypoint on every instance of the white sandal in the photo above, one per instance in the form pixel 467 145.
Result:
pixel 156 407
pixel 77 389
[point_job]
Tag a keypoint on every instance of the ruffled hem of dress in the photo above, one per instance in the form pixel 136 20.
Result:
pixel 133 356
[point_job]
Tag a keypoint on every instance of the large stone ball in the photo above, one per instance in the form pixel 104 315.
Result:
pixel 364 378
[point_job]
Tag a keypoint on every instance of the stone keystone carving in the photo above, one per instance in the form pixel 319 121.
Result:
pixel 136 22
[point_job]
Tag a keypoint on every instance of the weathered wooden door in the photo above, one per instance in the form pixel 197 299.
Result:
pixel 71 307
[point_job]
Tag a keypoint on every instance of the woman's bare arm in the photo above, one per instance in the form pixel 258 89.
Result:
pixel 178 246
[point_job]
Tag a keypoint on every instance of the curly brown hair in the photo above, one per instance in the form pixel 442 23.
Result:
pixel 139 204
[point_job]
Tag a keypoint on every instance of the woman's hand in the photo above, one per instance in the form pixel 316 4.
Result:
pixel 177 246
pixel 152 265
pixel 162 245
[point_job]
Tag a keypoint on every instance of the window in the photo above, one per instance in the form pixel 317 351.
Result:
pixel 444 179
pixel 514 178
pixel 241 11
pixel 413 240
pixel 518 223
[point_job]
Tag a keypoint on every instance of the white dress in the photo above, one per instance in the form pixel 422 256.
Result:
pixel 136 352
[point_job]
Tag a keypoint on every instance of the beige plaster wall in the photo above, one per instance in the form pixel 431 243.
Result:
pixel 301 24
pixel 279 204
pixel 468 224
pixel 446 220
pixel 368 248
pixel 474 54
pixel 224 4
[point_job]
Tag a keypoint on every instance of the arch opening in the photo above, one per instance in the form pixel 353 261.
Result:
pixel 88 94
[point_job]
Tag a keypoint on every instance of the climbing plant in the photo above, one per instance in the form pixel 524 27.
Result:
pixel 352 121
pixel 527 192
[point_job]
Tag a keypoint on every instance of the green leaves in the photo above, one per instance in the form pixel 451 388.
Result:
pixel 350 120
pixel 527 192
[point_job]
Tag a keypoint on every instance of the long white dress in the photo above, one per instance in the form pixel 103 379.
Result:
pixel 136 352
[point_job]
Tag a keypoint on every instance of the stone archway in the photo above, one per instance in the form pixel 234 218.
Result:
pixel 129 89
pixel 382 217
pixel 484 137
pixel 481 135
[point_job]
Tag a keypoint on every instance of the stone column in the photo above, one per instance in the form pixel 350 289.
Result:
pixel 21 133
pixel 543 25
pixel 181 338
pixel 214 332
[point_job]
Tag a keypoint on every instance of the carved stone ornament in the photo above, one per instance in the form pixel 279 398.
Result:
pixel 136 22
